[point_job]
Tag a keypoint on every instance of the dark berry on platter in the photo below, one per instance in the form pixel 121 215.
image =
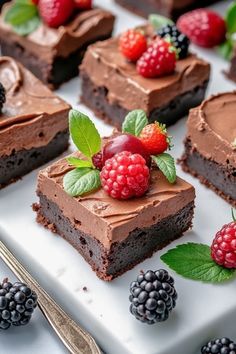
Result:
pixel 153 296
pixel 178 39
pixel 219 346
pixel 98 160
pixel 125 142
pixel 2 96
pixel 17 304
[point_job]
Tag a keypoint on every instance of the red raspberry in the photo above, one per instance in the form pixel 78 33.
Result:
pixel 83 4
pixel 132 44
pixel 223 248
pixel 55 12
pixel 203 27
pixel 98 160
pixel 154 138
pixel 158 60
pixel 125 175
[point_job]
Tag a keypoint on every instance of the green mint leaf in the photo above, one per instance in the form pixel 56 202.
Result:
pixel 134 122
pixel 158 21
pixel 81 181
pixel 194 261
pixel 20 12
pixel 28 27
pixel 84 133
pixel 166 164
pixel 231 18
pixel 74 161
pixel 226 49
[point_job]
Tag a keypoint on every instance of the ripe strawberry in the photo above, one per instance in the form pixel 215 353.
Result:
pixel 158 60
pixel 132 44
pixel 223 248
pixel 203 27
pixel 155 139
pixel 55 12
pixel 83 4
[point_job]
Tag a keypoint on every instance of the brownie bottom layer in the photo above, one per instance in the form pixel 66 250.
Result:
pixel 53 75
pixel 21 162
pixel 215 176
pixel 140 244
pixel 145 8
pixel 95 98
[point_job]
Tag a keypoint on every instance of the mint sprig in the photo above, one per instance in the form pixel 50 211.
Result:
pixel 84 134
pixel 85 177
pixel 166 164
pixel 226 48
pixel 81 181
pixel 23 17
pixel 158 21
pixel 231 18
pixel 134 122
pixel 193 261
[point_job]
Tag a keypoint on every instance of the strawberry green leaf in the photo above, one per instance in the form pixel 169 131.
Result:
pixel 81 181
pixel 158 21
pixel 134 122
pixel 20 12
pixel 84 133
pixel 74 161
pixel 193 261
pixel 231 18
pixel 166 164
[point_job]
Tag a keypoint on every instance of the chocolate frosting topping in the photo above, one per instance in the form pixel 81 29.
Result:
pixel 107 67
pixel 111 220
pixel 32 115
pixel 212 128
pixel 49 42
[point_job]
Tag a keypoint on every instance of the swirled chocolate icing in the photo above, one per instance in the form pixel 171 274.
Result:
pixel 49 43
pixel 212 128
pixel 110 220
pixel 106 67
pixel 32 115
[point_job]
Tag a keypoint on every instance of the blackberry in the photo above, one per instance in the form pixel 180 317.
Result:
pixel 153 296
pixel 2 96
pixel 219 346
pixel 178 39
pixel 17 304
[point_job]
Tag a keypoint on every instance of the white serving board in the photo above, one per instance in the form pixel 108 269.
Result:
pixel 202 312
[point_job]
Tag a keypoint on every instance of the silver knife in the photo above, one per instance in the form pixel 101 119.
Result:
pixel 76 339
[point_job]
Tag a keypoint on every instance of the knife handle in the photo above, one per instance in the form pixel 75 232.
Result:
pixel 77 340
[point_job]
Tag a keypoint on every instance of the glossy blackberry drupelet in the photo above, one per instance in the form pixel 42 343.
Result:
pixel 17 304
pixel 219 346
pixel 2 96
pixel 178 39
pixel 153 296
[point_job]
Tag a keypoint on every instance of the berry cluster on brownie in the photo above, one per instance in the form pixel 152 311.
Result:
pixel 125 161
pixel 155 56
pixel 54 13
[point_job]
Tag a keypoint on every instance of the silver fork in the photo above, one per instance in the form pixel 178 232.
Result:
pixel 77 340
